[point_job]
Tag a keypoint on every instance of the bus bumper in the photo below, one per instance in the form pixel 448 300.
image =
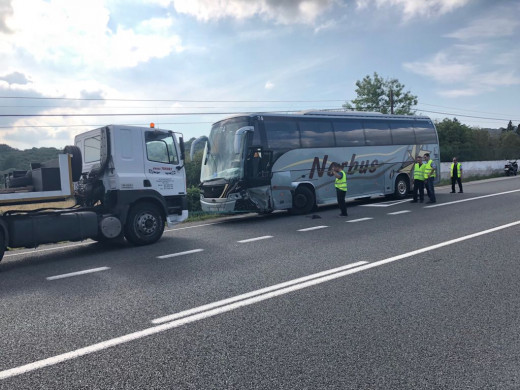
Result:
pixel 218 205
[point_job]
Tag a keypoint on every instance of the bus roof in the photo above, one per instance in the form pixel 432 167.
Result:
pixel 336 114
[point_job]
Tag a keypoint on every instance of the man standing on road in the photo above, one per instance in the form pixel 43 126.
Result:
pixel 429 176
pixel 341 187
pixel 418 180
pixel 456 175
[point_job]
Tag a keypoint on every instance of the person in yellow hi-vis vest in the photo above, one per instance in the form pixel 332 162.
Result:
pixel 456 175
pixel 429 176
pixel 341 186
pixel 418 180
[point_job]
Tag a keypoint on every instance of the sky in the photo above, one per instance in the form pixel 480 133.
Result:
pixel 68 66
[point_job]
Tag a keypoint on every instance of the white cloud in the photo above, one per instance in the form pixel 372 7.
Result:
pixel 269 85
pixel 77 33
pixel 442 69
pixel 412 8
pixel 281 11
pixel 490 27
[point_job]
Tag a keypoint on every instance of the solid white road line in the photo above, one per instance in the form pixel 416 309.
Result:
pixel 251 294
pixel 87 271
pixel 312 228
pixel 400 212
pixel 180 254
pixel 359 220
pixel 223 309
pixel 255 239
pixel 469 199
pixel 47 249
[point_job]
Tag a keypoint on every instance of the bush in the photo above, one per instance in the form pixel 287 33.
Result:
pixel 193 199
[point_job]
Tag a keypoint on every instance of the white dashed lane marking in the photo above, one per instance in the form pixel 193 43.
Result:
pixel 180 254
pixel 87 271
pixel 255 239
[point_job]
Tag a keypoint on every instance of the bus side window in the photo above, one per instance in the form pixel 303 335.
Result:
pixel 377 133
pixel 316 134
pixel 402 132
pixel 282 133
pixel 349 133
pixel 425 132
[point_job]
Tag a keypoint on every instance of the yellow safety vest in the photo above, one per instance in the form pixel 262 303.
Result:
pixel 341 184
pixel 428 168
pixel 458 169
pixel 418 172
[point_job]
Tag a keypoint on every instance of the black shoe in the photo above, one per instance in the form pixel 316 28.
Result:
pixel 432 201
pixel 461 192
pixel 452 192
pixel 343 215
pixel 413 201
pixel 421 201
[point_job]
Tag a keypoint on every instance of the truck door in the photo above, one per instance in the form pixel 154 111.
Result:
pixel 162 164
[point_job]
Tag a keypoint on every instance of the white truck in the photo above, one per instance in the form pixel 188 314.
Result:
pixel 115 181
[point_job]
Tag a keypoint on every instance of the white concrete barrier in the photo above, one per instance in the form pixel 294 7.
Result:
pixel 475 168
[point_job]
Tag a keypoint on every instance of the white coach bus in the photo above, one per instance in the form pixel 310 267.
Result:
pixel 264 161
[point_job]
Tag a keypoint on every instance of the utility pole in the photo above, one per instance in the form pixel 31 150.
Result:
pixel 391 102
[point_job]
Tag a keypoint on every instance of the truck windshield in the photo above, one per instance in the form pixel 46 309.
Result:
pixel 219 160
pixel 160 147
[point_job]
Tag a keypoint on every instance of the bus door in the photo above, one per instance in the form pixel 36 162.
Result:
pixel 258 167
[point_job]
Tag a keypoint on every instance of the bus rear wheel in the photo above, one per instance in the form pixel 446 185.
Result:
pixel 303 201
pixel 402 187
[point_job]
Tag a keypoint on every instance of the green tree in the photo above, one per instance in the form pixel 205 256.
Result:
pixel 510 126
pixel 377 94
pixel 509 145
pixel 455 139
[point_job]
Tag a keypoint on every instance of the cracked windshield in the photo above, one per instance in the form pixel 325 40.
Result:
pixel 220 160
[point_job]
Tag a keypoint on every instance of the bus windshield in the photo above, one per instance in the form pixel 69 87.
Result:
pixel 219 160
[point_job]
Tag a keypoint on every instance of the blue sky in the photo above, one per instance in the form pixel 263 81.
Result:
pixel 460 57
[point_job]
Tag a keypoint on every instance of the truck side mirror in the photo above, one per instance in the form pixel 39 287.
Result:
pixel 181 145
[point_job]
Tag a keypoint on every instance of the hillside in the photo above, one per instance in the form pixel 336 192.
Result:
pixel 11 158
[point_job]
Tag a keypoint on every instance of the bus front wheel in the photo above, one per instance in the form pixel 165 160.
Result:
pixel 303 201
pixel 402 187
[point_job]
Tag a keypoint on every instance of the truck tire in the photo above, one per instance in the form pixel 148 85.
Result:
pixel 76 162
pixel 2 244
pixel 144 224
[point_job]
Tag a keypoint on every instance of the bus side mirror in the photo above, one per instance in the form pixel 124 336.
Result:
pixel 239 136
pixel 195 143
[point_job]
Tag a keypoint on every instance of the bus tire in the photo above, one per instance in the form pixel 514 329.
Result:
pixel 303 201
pixel 402 187
pixel 76 163
pixel 144 224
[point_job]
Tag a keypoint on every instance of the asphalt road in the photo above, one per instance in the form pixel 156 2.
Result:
pixel 396 296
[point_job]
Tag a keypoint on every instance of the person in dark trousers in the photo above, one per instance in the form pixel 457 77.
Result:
pixel 429 177
pixel 456 175
pixel 341 187
pixel 418 180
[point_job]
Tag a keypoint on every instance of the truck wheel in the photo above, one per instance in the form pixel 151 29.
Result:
pixel 402 187
pixel 76 163
pixel 2 244
pixel 144 224
pixel 303 201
